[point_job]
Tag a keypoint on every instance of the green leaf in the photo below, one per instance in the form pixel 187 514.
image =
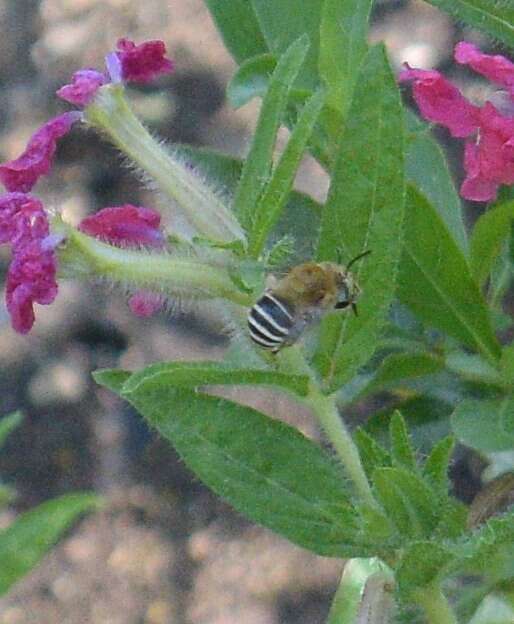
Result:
pixel 251 79
pixel 377 527
pixel 239 27
pixel 364 593
pixel 435 281
pixel 437 465
pixel 344 28
pixel 257 464
pixel 408 501
pixel 422 563
pixel 400 367
pixel 476 551
pixel 112 378
pixel 274 197
pixel 489 234
pixel 401 447
pixel 473 367
pixel 479 424
pixel 372 454
pixel 394 503
pixel 427 169
pixel 194 374
pixel 494 17
pixel 283 22
pixel 258 164
pixel 29 537
pixel 364 210
pixel 8 424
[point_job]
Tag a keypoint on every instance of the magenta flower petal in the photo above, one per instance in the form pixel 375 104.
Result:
pixel 30 279
pixel 10 205
pixel 489 160
pixel 441 102
pixel 144 62
pixel 22 173
pixel 125 226
pixel 83 87
pixel 145 303
pixel 495 67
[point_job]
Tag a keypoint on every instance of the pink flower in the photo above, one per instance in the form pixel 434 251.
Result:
pixel 489 149
pixel 130 63
pixel 495 67
pixel 31 273
pixel 142 63
pixel 441 102
pixel 84 85
pixel 125 225
pixel 30 279
pixel 489 160
pixel 129 226
pixel 22 173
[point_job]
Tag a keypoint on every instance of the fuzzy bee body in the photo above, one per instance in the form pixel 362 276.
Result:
pixel 298 300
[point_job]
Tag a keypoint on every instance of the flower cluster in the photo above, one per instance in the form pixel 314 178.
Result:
pixel 24 222
pixel 489 132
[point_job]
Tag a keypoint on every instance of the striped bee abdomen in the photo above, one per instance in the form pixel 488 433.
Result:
pixel 269 322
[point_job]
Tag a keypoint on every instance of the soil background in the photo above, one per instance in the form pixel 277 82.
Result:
pixel 165 550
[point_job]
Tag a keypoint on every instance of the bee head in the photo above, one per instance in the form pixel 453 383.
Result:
pixel 349 290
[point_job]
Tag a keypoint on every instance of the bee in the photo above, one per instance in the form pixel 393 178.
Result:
pixel 302 297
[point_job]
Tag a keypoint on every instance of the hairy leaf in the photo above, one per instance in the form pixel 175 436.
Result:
pixel 283 22
pixel 480 424
pixel 274 198
pixel 258 163
pixel 427 169
pixel 264 468
pixel 489 234
pixel 422 563
pixel 195 374
pixel 343 45
pixel 402 451
pixel 494 17
pixel 435 281
pixel 437 465
pixel 28 538
pixel 372 454
pixel 239 27
pixel 364 211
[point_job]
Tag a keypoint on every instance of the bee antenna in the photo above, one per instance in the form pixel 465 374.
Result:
pixel 353 260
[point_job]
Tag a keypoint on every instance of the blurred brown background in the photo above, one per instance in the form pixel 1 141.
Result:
pixel 165 550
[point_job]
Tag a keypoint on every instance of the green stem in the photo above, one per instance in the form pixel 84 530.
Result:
pixel 203 207
pixel 85 256
pixel 435 605
pixel 325 410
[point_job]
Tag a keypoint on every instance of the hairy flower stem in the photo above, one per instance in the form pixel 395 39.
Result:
pixel 204 209
pixel 435 605
pixel 325 410
pixel 85 256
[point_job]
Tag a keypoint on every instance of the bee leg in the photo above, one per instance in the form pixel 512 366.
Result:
pixel 354 308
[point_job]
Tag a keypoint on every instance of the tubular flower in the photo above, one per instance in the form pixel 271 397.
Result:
pixel 129 226
pixel 33 267
pixel 489 149
pixel 130 63
pixel 22 173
